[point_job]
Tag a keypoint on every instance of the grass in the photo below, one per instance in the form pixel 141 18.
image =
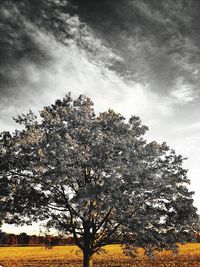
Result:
pixel 113 256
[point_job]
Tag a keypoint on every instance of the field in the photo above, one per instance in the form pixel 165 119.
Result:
pixel 70 256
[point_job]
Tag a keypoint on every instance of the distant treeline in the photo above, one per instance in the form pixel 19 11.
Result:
pixel 33 240
pixel 24 239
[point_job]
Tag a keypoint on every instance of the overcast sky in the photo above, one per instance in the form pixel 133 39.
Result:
pixel 138 57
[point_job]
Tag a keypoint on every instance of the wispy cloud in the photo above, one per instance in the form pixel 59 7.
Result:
pixel 157 40
pixel 183 93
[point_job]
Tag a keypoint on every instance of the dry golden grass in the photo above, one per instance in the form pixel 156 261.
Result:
pixel 70 256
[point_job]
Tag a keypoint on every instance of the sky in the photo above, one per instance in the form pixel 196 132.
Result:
pixel 138 57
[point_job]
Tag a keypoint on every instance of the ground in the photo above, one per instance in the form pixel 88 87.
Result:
pixel 70 256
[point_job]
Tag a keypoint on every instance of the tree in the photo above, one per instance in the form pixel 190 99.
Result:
pixel 5 189
pixel 96 178
pixel 2 237
pixel 23 239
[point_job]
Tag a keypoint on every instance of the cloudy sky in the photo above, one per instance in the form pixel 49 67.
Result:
pixel 138 57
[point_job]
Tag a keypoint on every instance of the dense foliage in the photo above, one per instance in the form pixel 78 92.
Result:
pixel 96 178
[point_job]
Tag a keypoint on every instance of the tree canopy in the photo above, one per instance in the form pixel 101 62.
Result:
pixel 95 177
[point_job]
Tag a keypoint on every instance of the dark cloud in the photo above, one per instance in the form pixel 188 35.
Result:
pixel 157 40
pixel 21 23
pixel 17 47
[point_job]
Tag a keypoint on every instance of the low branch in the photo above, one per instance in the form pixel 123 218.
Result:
pixel 104 220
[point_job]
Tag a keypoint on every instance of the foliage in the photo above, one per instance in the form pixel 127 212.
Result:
pixel 96 177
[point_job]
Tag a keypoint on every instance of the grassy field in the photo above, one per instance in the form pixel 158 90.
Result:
pixel 70 256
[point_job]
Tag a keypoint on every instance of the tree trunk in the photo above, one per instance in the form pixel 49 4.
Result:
pixel 87 260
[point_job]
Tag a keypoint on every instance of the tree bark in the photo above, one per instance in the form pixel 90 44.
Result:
pixel 87 259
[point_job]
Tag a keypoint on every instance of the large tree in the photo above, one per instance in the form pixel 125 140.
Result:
pixel 96 178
